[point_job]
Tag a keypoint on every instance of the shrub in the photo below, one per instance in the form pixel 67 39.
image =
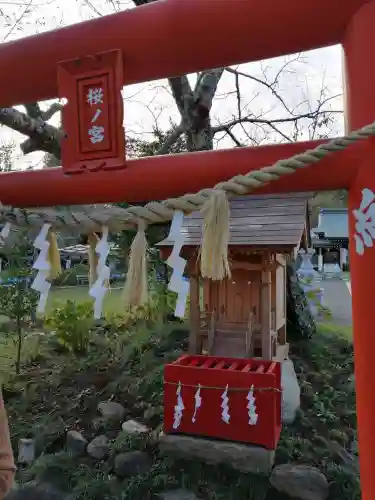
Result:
pixel 18 302
pixel 73 323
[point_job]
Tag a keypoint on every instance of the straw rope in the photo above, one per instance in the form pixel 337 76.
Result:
pixel 117 218
pixel 218 388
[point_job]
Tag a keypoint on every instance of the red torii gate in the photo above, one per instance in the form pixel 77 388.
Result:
pixel 156 41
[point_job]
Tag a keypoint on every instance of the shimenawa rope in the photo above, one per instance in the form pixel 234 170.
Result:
pixel 214 201
pixel 158 212
pixel 229 389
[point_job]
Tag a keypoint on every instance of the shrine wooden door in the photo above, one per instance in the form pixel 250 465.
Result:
pixel 234 299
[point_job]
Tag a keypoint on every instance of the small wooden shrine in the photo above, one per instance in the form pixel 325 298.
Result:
pixel 245 315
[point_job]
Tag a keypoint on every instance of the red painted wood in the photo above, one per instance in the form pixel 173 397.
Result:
pixel 93 115
pixel 237 373
pixel 156 40
pixel 160 177
pixel 360 108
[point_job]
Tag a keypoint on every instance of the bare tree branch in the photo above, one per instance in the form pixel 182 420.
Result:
pixel 263 121
pixel 18 20
pixel 172 138
pixel 92 7
pixel 42 136
pixel 261 82
pixel 234 139
pixel 34 111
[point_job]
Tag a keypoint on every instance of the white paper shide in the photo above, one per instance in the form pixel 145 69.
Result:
pixel 178 283
pixel 179 408
pixel 43 266
pixel 99 288
pixel 198 403
pixel 251 406
pixel 225 416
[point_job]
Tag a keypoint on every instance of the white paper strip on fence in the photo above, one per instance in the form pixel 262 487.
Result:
pixel 198 403
pixel 251 406
pixel 179 408
pixel 225 416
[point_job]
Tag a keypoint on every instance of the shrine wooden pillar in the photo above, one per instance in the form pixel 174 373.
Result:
pixel 265 309
pixel 360 110
pixel 194 305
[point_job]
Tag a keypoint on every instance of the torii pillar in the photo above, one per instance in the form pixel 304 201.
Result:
pixel 360 110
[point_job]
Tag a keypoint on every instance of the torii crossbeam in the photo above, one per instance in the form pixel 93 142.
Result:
pixel 156 42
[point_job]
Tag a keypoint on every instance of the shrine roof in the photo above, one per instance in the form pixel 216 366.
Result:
pixel 256 220
pixel 333 223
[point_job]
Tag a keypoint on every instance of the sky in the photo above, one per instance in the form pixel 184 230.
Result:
pixel 300 84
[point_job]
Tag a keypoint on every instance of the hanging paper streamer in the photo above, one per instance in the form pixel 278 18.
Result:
pixel 225 416
pixel 251 406
pixel 198 403
pixel 92 241
pixel 179 408
pixel 178 283
pixel 43 266
pixel 100 286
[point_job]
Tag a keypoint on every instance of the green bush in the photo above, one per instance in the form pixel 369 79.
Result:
pixel 73 323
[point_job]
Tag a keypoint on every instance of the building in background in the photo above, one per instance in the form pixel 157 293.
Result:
pixel 330 239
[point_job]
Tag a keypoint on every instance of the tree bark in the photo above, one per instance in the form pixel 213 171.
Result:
pixel 42 136
pixel 195 107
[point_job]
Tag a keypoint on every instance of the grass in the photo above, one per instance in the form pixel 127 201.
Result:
pixel 59 295
pixel 62 391
pixel 343 331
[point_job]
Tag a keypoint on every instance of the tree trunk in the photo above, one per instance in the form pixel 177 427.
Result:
pixel 200 139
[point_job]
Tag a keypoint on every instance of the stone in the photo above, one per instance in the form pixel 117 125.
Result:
pixel 110 410
pixel 134 427
pixel 243 457
pixel 76 443
pixel 300 482
pixel 132 463
pixel 178 495
pixel 35 491
pixel 98 423
pixel 343 456
pixel 99 447
pixel 26 451
pixel 291 395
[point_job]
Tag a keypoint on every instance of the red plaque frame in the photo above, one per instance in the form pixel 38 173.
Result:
pixel 93 116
